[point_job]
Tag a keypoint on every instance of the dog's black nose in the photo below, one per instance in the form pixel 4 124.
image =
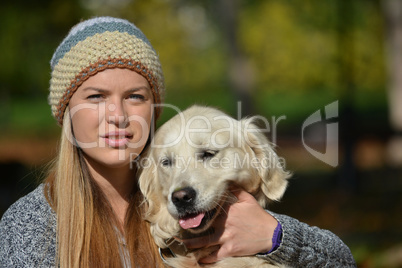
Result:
pixel 184 197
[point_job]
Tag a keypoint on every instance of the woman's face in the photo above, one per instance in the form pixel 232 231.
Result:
pixel 111 113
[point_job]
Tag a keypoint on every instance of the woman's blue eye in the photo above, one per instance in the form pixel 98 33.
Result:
pixel 136 96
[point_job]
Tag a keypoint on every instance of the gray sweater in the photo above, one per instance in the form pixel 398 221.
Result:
pixel 28 239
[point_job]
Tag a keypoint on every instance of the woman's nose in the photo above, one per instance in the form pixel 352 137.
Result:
pixel 116 114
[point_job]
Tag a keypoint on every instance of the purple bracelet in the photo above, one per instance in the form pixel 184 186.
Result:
pixel 276 238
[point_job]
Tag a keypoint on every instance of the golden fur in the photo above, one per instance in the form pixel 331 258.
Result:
pixel 206 150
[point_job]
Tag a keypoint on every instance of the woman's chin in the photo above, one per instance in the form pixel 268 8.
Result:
pixel 112 158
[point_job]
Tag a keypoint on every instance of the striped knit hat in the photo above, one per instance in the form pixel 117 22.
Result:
pixel 98 44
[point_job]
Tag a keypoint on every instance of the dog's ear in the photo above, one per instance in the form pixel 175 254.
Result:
pixel 162 225
pixel 148 185
pixel 270 169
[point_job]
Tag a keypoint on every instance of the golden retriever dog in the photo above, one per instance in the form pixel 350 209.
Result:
pixel 187 170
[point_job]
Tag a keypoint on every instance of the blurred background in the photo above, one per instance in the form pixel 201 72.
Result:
pixel 282 59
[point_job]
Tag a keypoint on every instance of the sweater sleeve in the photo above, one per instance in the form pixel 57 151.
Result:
pixel 306 246
pixel 27 233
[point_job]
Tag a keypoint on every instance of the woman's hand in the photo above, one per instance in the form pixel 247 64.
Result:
pixel 246 229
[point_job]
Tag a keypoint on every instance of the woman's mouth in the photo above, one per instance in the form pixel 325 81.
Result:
pixel 117 138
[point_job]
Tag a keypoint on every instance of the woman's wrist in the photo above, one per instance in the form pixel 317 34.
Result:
pixel 274 229
pixel 276 238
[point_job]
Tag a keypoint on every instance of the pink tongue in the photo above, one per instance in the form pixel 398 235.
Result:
pixel 191 222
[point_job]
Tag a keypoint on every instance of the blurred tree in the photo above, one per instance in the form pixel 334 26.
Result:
pixel 29 34
pixel 293 45
pixel 393 17
pixel 346 11
pixel 30 31
pixel 239 70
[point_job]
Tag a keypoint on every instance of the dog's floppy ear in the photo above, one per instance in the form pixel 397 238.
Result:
pixel 162 225
pixel 270 169
pixel 148 185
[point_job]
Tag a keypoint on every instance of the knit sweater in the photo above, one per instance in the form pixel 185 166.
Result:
pixel 28 239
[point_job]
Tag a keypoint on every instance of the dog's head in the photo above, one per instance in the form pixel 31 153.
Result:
pixel 194 158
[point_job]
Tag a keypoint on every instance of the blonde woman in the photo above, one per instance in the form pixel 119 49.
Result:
pixel 105 92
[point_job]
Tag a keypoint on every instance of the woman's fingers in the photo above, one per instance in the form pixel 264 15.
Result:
pixel 211 258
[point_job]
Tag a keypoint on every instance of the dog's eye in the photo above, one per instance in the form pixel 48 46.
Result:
pixel 166 162
pixel 208 154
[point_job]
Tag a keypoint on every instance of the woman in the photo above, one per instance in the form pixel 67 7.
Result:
pixel 105 90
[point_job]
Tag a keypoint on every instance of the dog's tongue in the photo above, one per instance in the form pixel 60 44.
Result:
pixel 191 222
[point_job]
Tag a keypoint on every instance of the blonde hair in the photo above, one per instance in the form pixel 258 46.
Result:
pixel 87 228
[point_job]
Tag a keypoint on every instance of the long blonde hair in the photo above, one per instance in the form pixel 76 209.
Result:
pixel 87 232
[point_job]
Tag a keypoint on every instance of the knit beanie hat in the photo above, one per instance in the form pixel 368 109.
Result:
pixel 98 44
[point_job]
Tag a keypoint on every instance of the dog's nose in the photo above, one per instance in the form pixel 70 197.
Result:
pixel 184 197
